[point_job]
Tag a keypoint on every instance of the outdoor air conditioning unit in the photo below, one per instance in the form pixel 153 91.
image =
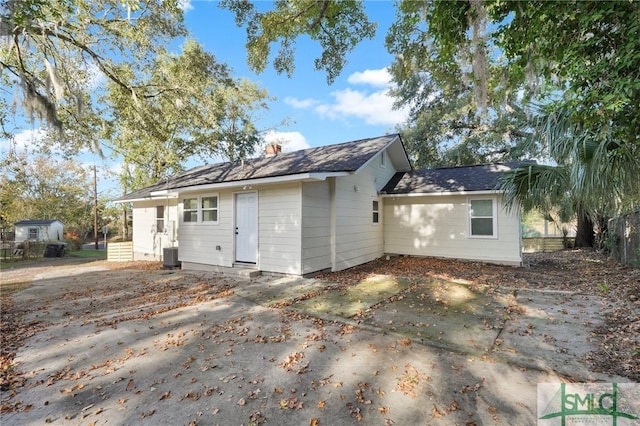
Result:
pixel 170 258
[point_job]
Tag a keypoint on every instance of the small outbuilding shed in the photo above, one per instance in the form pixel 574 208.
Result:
pixel 39 230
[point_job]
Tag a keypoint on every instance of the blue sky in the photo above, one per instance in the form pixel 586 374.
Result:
pixel 355 106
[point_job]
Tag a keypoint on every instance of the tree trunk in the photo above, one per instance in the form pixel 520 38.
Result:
pixel 125 224
pixel 585 236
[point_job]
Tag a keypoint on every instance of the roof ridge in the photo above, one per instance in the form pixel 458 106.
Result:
pixel 281 154
pixel 477 165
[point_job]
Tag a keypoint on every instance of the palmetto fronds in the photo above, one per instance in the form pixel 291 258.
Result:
pixel 598 176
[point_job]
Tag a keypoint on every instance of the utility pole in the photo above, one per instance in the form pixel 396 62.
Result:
pixel 95 206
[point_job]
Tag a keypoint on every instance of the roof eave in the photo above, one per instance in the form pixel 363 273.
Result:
pixel 161 196
pixel 258 181
pixel 440 194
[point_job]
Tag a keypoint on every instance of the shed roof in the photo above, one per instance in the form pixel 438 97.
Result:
pixel 36 222
pixel 344 157
pixel 475 178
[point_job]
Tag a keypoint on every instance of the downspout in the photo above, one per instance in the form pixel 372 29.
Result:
pixel 332 220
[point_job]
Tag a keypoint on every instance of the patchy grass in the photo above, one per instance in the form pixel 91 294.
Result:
pixel 83 254
pixel 88 254
pixel 354 300
pixel 580 271
pixel 7 290
pixel 10 263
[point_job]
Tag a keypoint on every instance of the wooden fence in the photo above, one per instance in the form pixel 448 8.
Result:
pixel 623 241
pixel 120 252
pixel 543 244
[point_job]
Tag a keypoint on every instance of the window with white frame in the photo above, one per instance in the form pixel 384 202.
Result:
pixel 376 211
pixel 383 159
pixel 190 210
pixel 159 219
pixel 482 216
pixel 209 206
pixel 33 233
pixel 202 209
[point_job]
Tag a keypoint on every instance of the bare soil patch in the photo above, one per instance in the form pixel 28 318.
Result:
pixel 93 300
pixel 147 346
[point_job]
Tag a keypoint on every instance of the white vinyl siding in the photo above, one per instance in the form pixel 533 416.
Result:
pixel 316 227
pixel 279 228
pixel 46 232
pixel 439 226
pixel 380 175
pixel 147 241
pixel 357 238
pixel 200 239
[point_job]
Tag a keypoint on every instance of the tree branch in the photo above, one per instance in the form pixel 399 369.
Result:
pixel 460 125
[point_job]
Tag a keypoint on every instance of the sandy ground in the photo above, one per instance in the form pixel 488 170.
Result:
pixel 134 346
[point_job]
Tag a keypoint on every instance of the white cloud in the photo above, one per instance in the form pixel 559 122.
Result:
pixel 375 78
pixel 21 141
pixel 300 103
pixel 185 5
pixel 290 141
pixel 375 108
pixel 96 78
pixel 373 105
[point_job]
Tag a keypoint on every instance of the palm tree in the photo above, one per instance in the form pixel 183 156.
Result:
pixel 593 175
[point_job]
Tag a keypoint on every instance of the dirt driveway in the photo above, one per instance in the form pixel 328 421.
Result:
pixel 411 345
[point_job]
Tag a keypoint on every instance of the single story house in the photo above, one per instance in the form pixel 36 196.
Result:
pixel 39 230
pixel 325 208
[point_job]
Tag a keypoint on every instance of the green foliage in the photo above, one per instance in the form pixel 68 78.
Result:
pixel 610 243
pixel 191 106
pixel 45 188
pixel 462 111
pixel 604 287
pixel 590 49
pixel 592 173
pixel 73 244
pixel 593 176
pixel 338 26
pixel 56 50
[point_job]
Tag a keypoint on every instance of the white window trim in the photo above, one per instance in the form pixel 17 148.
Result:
pixel 383 159
pixel 164 219
pixel 379 211
pixel 199 214
pixel 202 209
pixel 494 210
pixel 182 210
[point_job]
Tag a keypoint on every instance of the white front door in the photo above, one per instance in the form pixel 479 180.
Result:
pixel 246 227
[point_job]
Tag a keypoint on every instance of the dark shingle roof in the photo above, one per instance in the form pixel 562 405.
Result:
pixel 36 222
pixel 344 157
pixel 482 177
